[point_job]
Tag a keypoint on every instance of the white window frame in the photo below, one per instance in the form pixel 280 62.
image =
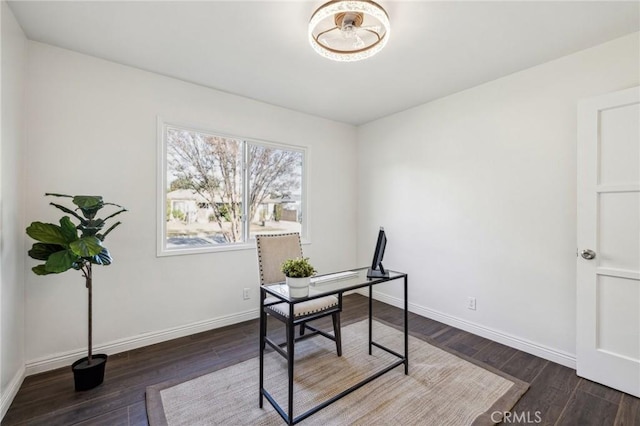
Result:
pixel 248 243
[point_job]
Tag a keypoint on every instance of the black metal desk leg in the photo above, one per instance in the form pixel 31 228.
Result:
pixel 291 332
pixel 406 325
pixel 263 333
pixel 370 317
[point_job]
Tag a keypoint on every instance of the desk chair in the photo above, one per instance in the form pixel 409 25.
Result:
pixel 273 250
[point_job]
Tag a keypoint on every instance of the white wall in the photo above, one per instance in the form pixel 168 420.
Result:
pixel 477 192
pixel 14 51
pixel 92 129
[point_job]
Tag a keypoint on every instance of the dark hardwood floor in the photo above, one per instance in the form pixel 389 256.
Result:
pixel 557 395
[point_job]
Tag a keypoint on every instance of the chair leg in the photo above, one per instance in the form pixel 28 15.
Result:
pixel 336 332
pixel 302 329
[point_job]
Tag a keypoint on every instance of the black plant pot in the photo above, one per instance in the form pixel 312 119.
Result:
pixel 88 376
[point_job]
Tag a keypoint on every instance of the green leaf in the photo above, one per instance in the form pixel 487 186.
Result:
pixel 102 258
pixel 114 214
pixel 41 270
pixel 86 246
pixel 89 228
pixel 88 204
pixel 53 194
pixel 41 251
pixel 60 261
pixel 71 212
pixel 103 236
pixel 46 233
pixel 68 229
pixel 88 201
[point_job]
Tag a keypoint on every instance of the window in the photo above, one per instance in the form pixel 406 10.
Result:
pixel 218 192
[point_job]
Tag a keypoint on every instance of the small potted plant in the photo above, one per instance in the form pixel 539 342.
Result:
pixel 298 272
pixel 60 247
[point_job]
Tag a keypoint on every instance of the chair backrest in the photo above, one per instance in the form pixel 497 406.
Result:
pixel 273 250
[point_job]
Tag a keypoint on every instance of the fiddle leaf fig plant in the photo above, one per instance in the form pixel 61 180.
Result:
pixel 298 268
pixel 71 245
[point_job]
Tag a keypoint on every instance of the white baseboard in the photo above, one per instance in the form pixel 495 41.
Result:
pixel 67 358
pixel 550 354
pixel 11 391
pixel 122 345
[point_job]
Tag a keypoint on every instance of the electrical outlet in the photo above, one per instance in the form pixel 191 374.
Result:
pixel 471 303
pixel 246 294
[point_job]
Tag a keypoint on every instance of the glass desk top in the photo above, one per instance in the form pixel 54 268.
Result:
pixel 337 282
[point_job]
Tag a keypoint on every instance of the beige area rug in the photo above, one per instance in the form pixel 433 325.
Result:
pixel 441 388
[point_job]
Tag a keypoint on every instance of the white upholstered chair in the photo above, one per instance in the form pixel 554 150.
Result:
pixel 273 250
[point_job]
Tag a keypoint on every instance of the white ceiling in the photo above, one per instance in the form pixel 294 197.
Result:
pixel 260 50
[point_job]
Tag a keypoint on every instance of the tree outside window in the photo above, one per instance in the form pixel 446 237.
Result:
pixel 223 191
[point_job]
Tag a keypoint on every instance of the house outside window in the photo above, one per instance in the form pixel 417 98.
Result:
pixel 218 192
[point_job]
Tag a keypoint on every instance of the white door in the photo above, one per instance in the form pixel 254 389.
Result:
pixel 608 262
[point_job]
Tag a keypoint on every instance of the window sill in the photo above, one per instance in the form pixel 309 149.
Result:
pixel 162 252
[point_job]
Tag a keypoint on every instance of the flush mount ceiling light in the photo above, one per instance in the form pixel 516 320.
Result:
pixel 349 30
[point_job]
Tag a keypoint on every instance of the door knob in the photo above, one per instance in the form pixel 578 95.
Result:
pixel 588 254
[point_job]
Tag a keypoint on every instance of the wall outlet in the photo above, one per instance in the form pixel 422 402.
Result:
pixel 471 303
pixel 246 294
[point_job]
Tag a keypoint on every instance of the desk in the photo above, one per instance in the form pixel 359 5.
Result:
pixel 355 281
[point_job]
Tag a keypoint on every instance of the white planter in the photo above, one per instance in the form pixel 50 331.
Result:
pixel 298 287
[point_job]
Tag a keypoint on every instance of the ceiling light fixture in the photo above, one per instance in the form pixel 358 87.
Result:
pixel 349 30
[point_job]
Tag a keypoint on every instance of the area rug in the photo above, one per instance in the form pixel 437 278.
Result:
pixel 441 388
